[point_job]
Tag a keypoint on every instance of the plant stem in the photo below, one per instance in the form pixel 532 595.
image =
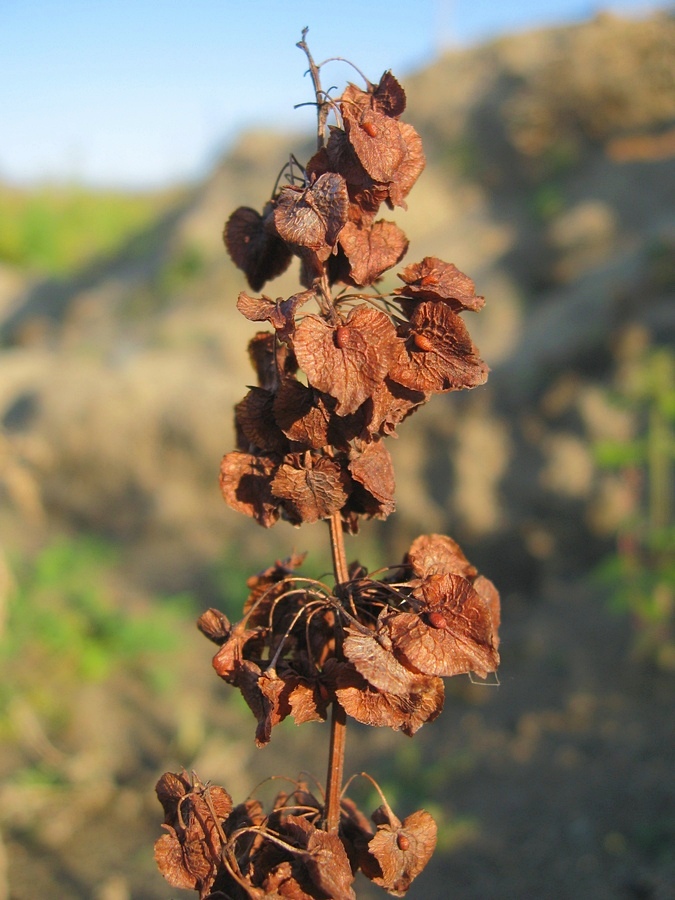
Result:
pixel 337 546
pixel 322 107
pixel 338 732
pixel 336 763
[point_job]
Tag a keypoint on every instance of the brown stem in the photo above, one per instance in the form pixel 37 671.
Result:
pixel 338 733
pixel 336 763
pixel 322 107
pixel 337 546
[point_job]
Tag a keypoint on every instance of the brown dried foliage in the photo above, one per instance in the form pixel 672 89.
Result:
pixel 378 648
pixel 333 383
pixel 373 364
pixel 221 850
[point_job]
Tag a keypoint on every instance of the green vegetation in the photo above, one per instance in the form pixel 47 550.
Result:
pixel 54 230
pixel 641 574
pixel 182 269
pixel 68 625
pixel 547 202
pixel 464 156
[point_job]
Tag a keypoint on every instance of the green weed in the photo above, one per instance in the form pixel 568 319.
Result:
pixel 641 574
pixel 56 230
pixel 67 625
pixel 547 202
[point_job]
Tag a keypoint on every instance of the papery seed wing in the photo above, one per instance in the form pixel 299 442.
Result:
pixel 403 849
pixel 350 362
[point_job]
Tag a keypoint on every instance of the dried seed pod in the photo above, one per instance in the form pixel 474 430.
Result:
pixel 423 342
pixel 310 448
pixel 433 279
pixel 342 336
pixel 437 620
pixel 450 363
pixel 352 370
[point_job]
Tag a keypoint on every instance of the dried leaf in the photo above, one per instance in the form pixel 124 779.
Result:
pixel 489 593
pixel 189 854
pixel 246 677
pixel 378 665
pixel 355 832
pixel 411 166
pixel 302 414
pixel 365 194
pixel 372 467
pixel 372 249
pixel 377 140
pixel 276 692
pixel 350 361
pixel 270 359
pixel 245 482
pixel 198 856
pixel 403 849
pixel 280 313
pixel 371 706
pixel 170 788
pixel 254 417
pixel 437 554
pixel 450 634
pixel 357 100
pixel 371 123
pixel 255 309
pixel 171 863
pixel 391 404
pixel 388 96
pixel 313 217
pixel 438 354
pixel 311 488
pixel 280 883
pixel 309 703
pixel 260 253
pixel 433 279
pixel 262 354
pixel 328 865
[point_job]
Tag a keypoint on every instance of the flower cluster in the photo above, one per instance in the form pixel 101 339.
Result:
pixel 333 383
pixel 238 852
pixel 378 648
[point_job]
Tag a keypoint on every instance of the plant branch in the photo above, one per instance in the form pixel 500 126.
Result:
pixel 336 763
pixel 338 732
pixel 337 546
pixel 322 106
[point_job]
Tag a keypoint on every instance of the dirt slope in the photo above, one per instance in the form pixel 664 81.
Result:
pixel 551 181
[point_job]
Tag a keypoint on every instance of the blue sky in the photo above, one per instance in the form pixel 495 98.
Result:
pixel 140 93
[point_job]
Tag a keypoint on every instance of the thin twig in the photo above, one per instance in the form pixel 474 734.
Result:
pixel 322 107
pixel 338 732
pixel 349 63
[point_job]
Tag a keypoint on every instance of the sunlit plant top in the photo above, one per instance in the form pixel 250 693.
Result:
pixel 341 367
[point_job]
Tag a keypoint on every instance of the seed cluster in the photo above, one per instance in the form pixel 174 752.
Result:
pixel 333 384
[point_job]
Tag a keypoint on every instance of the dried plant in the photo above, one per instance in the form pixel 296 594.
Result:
pixel 311 447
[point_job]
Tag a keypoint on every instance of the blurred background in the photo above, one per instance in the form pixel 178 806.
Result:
pixel 128 134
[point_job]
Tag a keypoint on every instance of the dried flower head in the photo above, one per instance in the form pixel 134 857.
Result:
pixel 343 366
